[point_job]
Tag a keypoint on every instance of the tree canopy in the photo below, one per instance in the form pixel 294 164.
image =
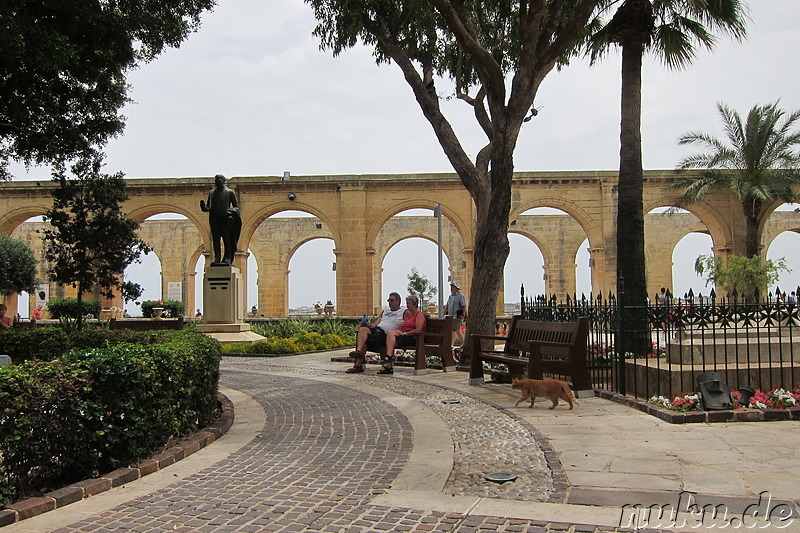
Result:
pixel 495 53
pixel 420 286
pixel 91 241
pixel 758 161
pixel 17 266
pixel 63 67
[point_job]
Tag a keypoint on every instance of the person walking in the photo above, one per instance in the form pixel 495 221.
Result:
pixel 457 308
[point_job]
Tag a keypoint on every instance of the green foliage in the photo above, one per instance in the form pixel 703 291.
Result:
pixel 759 162
pixel 747 276
pixel 421 287
pixel 64 66
pixel 48 343
pixel 293 326
pixel 91 241
pixel 71 308
pixel 302 342
pixel 65 420
pixel 172 308
pixel 17 266
pixel 297 335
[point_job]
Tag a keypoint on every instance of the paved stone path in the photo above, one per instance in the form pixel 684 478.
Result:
pixel 328 452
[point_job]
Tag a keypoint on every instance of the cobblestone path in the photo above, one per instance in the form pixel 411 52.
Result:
pixel 324 453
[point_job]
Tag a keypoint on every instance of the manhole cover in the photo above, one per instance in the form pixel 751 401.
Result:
pixel 500 477
pixel 451 400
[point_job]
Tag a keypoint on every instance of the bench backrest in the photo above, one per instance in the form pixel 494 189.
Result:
pixel 442 326
pixel 570 335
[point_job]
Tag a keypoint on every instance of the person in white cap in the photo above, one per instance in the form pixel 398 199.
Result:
pixel 456 307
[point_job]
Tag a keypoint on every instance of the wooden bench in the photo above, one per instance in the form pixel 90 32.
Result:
pixel 551 347
pixel 435 341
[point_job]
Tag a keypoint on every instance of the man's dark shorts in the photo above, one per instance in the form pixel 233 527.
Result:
pixel 376 339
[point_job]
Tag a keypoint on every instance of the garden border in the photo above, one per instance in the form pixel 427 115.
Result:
pixel 185 447
pixel 726 415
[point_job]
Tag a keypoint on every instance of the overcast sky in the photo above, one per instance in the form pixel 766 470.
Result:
pixel 252 94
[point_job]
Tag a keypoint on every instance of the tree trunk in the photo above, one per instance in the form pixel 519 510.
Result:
pixel 491 241
pixel 630 214
pixel 751 208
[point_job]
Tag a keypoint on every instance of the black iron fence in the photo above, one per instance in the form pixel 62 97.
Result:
pixel 755 344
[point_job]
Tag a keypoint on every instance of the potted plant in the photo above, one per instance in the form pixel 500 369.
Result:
pixel 329 308
pixel 318 308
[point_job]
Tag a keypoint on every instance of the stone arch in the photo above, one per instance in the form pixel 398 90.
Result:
pixel 592 229
pixel 449 212
pixel 709 216
pixel 12 219
pixel 250 226
pixel 559 265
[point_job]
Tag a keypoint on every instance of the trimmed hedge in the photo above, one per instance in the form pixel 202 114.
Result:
pixel 172 308
pixel 302 342
pixel 68 308
pixel 50 342
pixel 97 409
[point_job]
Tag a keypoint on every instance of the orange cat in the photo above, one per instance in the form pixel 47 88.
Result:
pixel 545 388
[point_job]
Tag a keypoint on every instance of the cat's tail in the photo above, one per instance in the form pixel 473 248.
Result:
pixel 569 392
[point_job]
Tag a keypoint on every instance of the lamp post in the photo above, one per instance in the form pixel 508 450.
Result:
pixel 437 212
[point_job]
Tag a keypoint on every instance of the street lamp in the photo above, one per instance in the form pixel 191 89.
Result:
pixel 437 212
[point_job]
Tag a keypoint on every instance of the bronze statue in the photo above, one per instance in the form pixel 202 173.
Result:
pixel 224 219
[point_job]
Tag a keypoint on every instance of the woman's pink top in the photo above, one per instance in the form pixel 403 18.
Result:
pixel 410 323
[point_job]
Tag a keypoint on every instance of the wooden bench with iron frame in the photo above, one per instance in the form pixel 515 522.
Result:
pixel 533 348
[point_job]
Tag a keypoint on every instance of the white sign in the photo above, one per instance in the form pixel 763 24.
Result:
pixel 175 290
pixel 42 294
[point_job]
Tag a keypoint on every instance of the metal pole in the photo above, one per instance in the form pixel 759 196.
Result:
pixel 437 212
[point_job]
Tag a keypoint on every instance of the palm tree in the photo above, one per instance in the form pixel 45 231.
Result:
pixel 759 163
pixel 670 29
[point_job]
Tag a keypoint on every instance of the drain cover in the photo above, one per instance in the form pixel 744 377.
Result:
pixel 452 400
pixel 500 477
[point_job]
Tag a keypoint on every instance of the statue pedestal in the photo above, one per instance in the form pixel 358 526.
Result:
pixel 223 300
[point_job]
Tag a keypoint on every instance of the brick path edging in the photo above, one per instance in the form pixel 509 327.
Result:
pixel 725 415
pixel 89 487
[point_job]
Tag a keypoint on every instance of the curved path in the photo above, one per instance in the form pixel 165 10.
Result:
pixel 315 449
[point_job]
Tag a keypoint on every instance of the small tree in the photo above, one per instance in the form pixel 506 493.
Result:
pixel 420 286
pixel 746 276
pixel 91 241
pixel 17 266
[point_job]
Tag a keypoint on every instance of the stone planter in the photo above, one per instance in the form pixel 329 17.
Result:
pixel 318 310
pixel 329 310
pixel 157 312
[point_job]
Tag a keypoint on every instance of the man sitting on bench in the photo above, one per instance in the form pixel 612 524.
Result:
pixel 373 336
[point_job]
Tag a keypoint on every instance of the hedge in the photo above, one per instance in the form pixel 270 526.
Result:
pixel 172 308
pixel 50 342
pixel 68 307
pixel 97 409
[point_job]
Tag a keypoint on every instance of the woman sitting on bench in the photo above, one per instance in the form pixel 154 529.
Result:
pixel 413 323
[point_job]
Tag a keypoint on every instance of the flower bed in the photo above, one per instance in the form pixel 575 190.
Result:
pixel 673 416
pixel 776 399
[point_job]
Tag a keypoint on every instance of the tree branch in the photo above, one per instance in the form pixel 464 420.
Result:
pixel 429 103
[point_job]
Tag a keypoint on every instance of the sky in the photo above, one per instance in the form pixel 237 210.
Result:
pixel 251 94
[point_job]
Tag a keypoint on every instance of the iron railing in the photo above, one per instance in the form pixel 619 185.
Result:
pixel 755 344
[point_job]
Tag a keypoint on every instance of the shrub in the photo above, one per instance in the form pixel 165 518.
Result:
pixel 48 343
pixel 68 308
pixel 66 419
pixel 172 308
